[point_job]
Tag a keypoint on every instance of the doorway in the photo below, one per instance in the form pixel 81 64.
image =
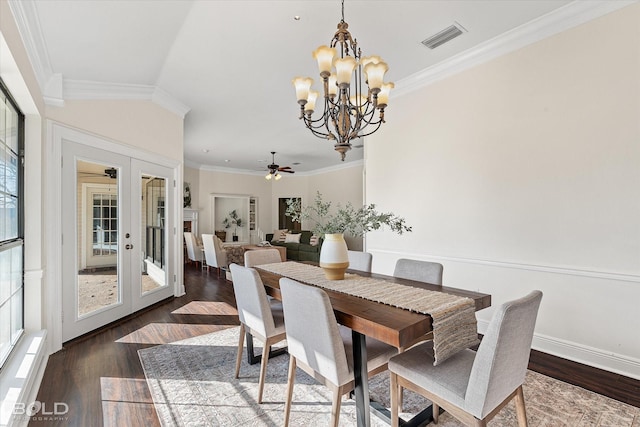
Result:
pixel 115 230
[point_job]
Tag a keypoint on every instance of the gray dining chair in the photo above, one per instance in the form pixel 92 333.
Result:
pixel 261 256
pixel 421 271
pixel 320 347
pixel 257 317
pixel 360 261
pixel 473 386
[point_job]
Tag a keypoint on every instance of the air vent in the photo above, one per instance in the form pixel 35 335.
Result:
pixel 444 36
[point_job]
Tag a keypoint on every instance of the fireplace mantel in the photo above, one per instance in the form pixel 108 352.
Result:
pixel 190 218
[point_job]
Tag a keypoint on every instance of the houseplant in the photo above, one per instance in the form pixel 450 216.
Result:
pixel 333 223
pixel 233 220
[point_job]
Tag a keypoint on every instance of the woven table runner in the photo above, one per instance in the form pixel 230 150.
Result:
pixel 454 320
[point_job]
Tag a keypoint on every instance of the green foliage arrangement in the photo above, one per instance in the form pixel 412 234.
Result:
pixel 233 220
pixel 347 219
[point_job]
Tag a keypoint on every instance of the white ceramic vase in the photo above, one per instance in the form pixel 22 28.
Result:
pixel 334 258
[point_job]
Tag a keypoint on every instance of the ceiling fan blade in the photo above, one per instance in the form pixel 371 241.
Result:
pixel 287 171
pixel 284 167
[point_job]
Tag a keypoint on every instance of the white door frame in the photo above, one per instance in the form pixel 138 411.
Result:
pixel 56 134
pixel 84 241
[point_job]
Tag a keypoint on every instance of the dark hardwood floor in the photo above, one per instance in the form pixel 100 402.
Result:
pixel 100 378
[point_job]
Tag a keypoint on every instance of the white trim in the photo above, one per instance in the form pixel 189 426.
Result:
pixel 561 19
pixel 22 387
pixel 85 89
pixel 26 17
pixel 56 133
pixel 571 271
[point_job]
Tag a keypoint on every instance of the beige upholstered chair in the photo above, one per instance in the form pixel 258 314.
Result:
pixel 261 256
pixel 360 261
pixel 194 251
pixel 473 386
pixel 256 317
pixel 214 254
pixel 320 347
pixel 421 271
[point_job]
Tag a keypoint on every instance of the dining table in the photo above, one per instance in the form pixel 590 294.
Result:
pixel 392 325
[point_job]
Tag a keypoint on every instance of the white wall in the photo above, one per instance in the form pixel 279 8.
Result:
pixel 522 173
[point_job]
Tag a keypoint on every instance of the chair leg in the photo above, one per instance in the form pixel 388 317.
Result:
pixel 436 412
pixel 520 409
pixel 240 345
pixel 263 368
pixel 335 407
pixel 394 391
pixel 290 380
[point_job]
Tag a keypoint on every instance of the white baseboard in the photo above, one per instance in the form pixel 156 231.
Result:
pixel 589 356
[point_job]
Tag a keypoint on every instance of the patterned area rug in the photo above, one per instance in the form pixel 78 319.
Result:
pixel 192 384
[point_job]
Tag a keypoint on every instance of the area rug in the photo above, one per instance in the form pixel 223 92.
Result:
pixel 192 384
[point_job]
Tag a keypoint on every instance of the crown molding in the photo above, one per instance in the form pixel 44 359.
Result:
pixel 26 17
pixel 562 19
pixel 347 165
pixel 84 89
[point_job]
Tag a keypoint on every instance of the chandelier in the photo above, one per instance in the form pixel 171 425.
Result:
pixel 349 107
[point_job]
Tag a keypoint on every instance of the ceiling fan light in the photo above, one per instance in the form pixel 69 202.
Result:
pixel 278 176
pixel 268 176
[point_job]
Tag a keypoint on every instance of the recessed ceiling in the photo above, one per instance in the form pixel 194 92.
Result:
pixel 231 62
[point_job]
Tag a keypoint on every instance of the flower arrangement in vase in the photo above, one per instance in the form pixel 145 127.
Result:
pixel 333 224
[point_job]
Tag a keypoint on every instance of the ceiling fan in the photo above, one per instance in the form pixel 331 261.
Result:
pixel 274 169
pixel 109 172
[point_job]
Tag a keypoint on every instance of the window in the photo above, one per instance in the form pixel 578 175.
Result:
pixel 11 223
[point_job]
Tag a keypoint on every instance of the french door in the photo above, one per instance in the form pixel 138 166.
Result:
pixel 116 217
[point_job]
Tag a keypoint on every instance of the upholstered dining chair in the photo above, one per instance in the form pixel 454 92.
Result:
pixel 257 317
pixel 214 254
pixel 360 261
pixel 421 271
pixel 194 251
pixel 261 256
pixel 473 386
pixel 320 347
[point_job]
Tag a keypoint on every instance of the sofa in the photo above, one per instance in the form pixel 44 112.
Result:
pixel 303 251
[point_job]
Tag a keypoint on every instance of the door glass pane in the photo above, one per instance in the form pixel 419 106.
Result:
pixel 98 226
pixel 153 232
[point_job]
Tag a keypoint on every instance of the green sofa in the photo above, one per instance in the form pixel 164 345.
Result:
pixel 302 251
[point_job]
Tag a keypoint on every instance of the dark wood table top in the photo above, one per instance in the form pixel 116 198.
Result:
pixel 392 325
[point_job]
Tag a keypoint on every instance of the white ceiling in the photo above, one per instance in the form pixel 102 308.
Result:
pixel 230 63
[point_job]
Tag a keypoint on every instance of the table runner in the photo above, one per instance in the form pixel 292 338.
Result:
pixel 454 320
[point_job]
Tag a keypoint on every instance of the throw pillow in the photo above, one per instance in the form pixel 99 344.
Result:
pixel 278 235
pixel 314 240
pixel 292 238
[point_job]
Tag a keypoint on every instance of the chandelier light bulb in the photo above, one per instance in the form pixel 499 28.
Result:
pixel 375 75
pixel 324 55
pixel 311 102
pixel 383 96
pixel 302 85
pixel 344 69
pixel 332 88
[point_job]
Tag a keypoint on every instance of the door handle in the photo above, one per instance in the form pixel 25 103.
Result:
pixel 128 246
